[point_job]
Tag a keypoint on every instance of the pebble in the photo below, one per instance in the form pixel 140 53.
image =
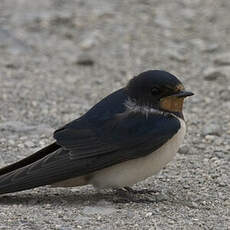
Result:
pixel 43 129
pixel 221 181
pixel 162 20
pixel 213 74
pixel 85 60
pixel 29 144
pixel 175 55
pixel 87 44
pixel 212 129
pixel 227 203
pixel 225 95
pixel 90 40
pixel 12 66
pixel 222 59
pixel 193 205
pixel 161 197
pixel 1 163
pixel 61 227
pixel 199 43
pixel 220 155
pixel 100 210
pixel 63 18
pixel 210 137
pixel 20 146
pixel 210 48
pixel 11 142
pixel 186 186
pixel 15 126
pixel 14 45
pixel 184 149
pixel 227 106
pixel 148 214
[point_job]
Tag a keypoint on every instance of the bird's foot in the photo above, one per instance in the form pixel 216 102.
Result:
pixel 127 194
pixel 143 191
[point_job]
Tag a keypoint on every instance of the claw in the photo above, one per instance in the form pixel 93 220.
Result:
pixel 127 195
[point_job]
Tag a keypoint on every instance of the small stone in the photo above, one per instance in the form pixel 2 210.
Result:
pixel 227 203
pixel 175 55
pixel 85 60
pixel 228 157
pixel 222 59
pixel 211 48
pixel 90 40
pixel 161 197
pixel 20 146
pixel 201 146
pixel 212 129
pixel 43 129
pixel 193 205
pixel 100 210
pixel 199 43
pixel 186 186
pixel 184 149
pixel 61 227
pixel 2 163
pixel 15 126
pixel 221 181
pixel 12 66
pixel 212 74
pixel 148 214
pixel 210 137
pixel 62 19
pixel 225 95
pixel 87 44
pixel 29 144
pixel 11 142
pixel 220 155
pixel 162 20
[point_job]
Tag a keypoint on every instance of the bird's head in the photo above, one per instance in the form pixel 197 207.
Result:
pixel 158 90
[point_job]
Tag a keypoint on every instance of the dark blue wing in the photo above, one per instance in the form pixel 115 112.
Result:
pixel 108 129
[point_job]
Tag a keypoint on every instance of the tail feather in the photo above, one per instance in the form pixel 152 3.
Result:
pixel 30 159
pixel 16 177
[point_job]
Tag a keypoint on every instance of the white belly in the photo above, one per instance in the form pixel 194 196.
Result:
pixel 130 172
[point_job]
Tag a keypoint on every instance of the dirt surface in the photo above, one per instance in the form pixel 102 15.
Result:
pixel 57 58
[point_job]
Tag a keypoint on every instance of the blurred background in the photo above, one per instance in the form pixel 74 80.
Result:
pixel 58 58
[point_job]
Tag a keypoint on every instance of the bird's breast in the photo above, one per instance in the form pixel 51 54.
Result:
pixel 130 172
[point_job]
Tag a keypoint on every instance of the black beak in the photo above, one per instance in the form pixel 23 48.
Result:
pixel 183 94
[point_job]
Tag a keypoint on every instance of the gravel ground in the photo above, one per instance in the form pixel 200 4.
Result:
pixel 57 58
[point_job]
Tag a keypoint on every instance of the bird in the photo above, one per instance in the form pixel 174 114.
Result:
pixel 125 138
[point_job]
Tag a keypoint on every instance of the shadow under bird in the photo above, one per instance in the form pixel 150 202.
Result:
pixel 126 137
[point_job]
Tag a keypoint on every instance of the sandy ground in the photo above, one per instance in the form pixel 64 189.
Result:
pixel 57 58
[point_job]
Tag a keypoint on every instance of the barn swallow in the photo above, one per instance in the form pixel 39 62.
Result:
pixel 126 137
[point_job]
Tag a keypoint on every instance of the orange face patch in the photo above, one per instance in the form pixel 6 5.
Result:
pixel 172 104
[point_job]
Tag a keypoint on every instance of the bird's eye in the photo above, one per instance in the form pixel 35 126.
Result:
pixel 155 91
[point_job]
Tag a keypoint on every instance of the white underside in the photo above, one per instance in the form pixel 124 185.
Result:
pixel 132 171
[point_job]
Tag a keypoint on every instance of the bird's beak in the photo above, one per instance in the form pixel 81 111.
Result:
pixel 183 94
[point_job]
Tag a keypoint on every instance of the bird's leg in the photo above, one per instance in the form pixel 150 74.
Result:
pixel 143 191
pixel 122 196
pixel 121 191
pixel 127 194
pixel 130 190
